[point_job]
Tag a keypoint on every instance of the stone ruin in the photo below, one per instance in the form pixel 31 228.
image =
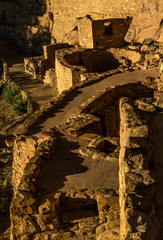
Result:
pixel 64 66
pixel 114 126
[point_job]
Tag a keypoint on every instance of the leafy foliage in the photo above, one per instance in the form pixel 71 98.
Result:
pixel 10 90
pixel 15 98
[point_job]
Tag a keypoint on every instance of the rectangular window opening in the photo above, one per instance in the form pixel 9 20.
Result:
pixel 108 28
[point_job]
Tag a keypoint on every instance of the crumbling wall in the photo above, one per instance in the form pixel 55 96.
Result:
pixel 24 150
pixel 39 215
pixel 110 97
pixel 37 66
pixel 138 219
pixel 28 215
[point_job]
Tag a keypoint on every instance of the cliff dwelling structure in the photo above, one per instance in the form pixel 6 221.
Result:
pixel 84 159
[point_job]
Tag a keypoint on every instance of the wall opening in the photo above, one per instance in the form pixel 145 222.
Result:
pixel 108 28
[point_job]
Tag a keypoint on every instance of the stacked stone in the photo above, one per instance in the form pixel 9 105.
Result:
pixel 138 219
pixel 159 93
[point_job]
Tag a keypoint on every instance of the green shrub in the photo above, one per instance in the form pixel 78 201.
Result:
pixel 19 105
pixel 10 90
pixel 15 98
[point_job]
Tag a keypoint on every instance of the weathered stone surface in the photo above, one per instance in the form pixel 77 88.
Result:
pixel 47 222
pixel 52 235
pixel 145 105
pixel 22 226
pixel 86 123
pixel 23 204
pixel 146 21
pixel 107 235
pixel 87 228
pixel 137 183
pixel 50 204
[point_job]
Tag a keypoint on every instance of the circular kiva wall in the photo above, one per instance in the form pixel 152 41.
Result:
pixel 72 63
pixel 93 60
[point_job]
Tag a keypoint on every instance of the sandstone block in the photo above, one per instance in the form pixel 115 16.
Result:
pixel 50 204
pixel 48 221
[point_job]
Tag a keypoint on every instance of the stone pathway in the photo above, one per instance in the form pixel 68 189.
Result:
pixel 157 130
pixel 84 93
pixel 66 169
pixel 39 93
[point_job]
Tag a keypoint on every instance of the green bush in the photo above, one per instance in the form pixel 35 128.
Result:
pixel 15 98
pixel 19 105
pixel 10 90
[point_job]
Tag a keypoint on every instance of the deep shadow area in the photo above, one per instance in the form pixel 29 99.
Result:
pixel 65 170
pixel 62 163
pixel 11 53
pixel 1 68
pixel 77 208
pixel 93 60
pixel 157 131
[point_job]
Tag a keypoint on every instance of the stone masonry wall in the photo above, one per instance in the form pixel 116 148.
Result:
pixel 28 215
pixel 137 183
pixel 65 14
pixel 111 96
pixel 24 149
pixel 102 33
pixel 67 74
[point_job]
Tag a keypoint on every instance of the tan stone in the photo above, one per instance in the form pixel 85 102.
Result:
pixel 50 204
pixel 109 234
pixel 47 222
pixel 23 225
pixel 24 204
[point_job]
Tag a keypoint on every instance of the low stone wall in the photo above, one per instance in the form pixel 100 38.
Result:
pixel 27 215
pixel 24 149
pixel 37 66
pixel 137 183
pixel 110 97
